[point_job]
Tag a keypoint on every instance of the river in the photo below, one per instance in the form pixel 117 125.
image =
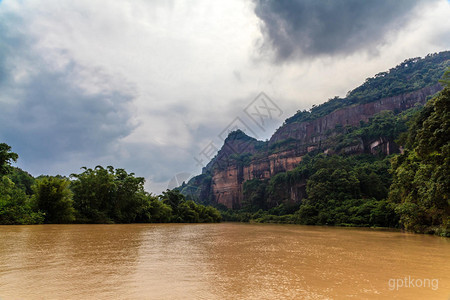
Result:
pixel 220 261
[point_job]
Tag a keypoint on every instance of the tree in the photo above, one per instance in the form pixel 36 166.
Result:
pixel 54 198
pixel 105 195
pixel 188 211
pixel 420 189
pixel 22 180
pixel 157 211
pixel 254 195
pixel 6 158
pixel 15 205
pixel 173 198
pixel 445 80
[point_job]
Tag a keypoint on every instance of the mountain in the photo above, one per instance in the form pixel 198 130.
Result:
pixel 368 120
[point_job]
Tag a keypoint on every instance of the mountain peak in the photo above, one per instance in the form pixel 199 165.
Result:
pixel 238 135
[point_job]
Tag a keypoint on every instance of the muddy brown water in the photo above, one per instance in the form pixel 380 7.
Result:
pixel 220 261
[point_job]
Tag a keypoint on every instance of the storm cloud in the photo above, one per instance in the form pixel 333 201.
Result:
pixel 308 28
pixel 49 111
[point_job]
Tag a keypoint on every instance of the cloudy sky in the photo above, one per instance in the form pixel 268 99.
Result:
pixel 150 86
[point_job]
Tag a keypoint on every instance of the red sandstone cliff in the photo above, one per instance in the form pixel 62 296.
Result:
pixel 314 131
pixel 230 168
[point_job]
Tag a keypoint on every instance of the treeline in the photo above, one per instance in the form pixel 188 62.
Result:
pixel 420 190
pixel 99 195
pixel 409 190
pixel 410 75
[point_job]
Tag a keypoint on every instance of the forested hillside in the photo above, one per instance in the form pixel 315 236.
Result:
pixel 420 190
pixel 331 166
pixel 412 74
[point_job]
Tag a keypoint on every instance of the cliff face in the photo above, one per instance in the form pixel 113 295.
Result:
pixel 315 131
pixel 227 183
pixel 338 126
pixel 243 158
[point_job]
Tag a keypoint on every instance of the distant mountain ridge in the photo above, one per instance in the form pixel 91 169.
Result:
pixel 338 126
pixel 411 75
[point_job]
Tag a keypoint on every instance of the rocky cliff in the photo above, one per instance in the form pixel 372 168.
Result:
pixel 243 158
pixel 229 170
pixel 314 131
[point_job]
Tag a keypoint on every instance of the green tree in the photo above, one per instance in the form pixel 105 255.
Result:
pixel 6 158
pixel 54 198
pixel 158 211
pixel 187 211
pixel 15 205
pixel 254 192
pixel 420 189
pixel 22 180
pixel 105 195
pixel 173 198
pixel 445 80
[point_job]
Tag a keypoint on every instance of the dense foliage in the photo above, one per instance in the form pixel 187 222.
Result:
pixel 16 206
pixel 99 195
pixel 412 74
pixel 409 190
pixel 54 199
pixel 421 186
pixel 347 191
pixel 106 195
pixel 341 191
pixel 188 211
pixel 6 158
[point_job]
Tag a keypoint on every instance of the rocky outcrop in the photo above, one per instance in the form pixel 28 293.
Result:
pixel 229 174
pixel 315 131
pixel 244 158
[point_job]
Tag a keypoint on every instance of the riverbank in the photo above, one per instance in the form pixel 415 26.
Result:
pixel 264 217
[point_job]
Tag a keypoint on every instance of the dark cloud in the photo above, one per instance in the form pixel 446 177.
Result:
pixel 48 118
pixel 306 28
pixel 54 120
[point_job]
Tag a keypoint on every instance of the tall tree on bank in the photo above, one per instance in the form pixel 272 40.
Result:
pixel 420 187
pixel 54 198
pixel 6 158
pixel 15 204
pixel 106 195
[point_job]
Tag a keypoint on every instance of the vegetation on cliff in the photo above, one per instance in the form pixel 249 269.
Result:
pixel 409 190
pixel 420 188
pixel 378 188
pixel 410 75
pixel 341 190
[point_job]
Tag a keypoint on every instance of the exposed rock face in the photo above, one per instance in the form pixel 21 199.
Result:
pixel 243 158
pixel 315 131
pixel 227 187
pixel 384 146
pixel 227 183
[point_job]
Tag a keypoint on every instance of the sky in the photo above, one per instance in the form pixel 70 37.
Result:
pixel 155 86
